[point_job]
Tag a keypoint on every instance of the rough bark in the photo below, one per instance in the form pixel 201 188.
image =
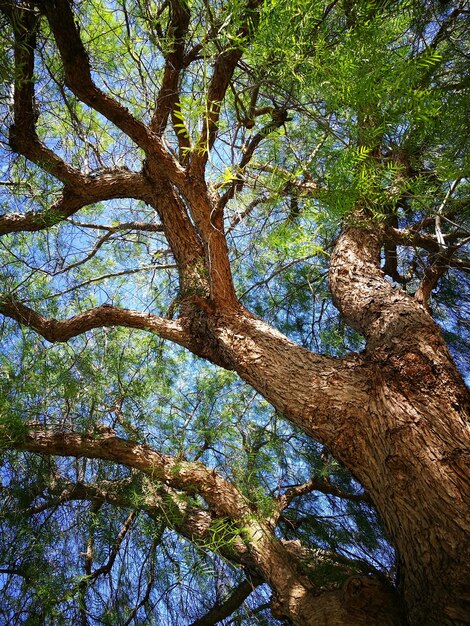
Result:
pixel 395 415
pixel 415 444
pixel 360 601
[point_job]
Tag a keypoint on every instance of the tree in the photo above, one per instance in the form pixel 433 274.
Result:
pixel 166 163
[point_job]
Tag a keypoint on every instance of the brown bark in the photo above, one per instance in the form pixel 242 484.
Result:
pixel 413 452
pixel 257 557
pixel 105 315
pixel 230 604
pixel 112 183
pixel 360 601
pixel 169 91
pixel 395 415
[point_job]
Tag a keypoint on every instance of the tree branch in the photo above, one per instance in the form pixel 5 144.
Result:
pixel 106 568
pixel 168 95
pixel 101 277
pixel 233 602
pixel 110 184
pixel 159 502
pixel 78 78
pixel 222 73
pixel 296 594
pixel 181 132
pixel 102 316
pixel 23 136
pixel 150 583
pixel 140 226
pixel 221 496
pixel 63 207
pixel 437 267
pixel 279 117
pixel 368 302
pixel 316 484
pixel 275 273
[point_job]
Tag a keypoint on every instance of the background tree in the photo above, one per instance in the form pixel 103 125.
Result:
pixel 195 170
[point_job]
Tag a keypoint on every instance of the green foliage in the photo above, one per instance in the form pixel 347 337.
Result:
pixel 374 118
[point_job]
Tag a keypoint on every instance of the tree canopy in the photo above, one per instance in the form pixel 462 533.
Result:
pixel 187 345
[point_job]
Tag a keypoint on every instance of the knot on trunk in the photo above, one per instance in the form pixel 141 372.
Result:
pixel 201 321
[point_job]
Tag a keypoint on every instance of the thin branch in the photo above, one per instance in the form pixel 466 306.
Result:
pixel 222 73
pixel 440 210
pixel 460 264
pixel 62 491
pixel 410 237
pixel 437 245
pixel 151 580
pixel 93 252
pixel 83 584
pixel 238 217
pixel 106 568
pixel 78 77
pixel 23 136
pixel 447 24
pixel 265 281
pixel 98 279
pixel 181 132
pixel 15 571
pixel 168 95
pixel 279 118
pixel 229 605
pixel 143 226
pixel 98 245
pixel 437 267
pixel 315 484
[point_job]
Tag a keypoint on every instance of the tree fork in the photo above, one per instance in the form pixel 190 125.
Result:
pixel 415 432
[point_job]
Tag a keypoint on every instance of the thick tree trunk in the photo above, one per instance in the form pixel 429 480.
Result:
pixel 394 415
pixel 415 433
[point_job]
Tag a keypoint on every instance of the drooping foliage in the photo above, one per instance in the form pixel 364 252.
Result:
pixel 330 107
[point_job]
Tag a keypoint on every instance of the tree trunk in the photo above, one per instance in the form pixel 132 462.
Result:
pixel 416 433
pixel 394 415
